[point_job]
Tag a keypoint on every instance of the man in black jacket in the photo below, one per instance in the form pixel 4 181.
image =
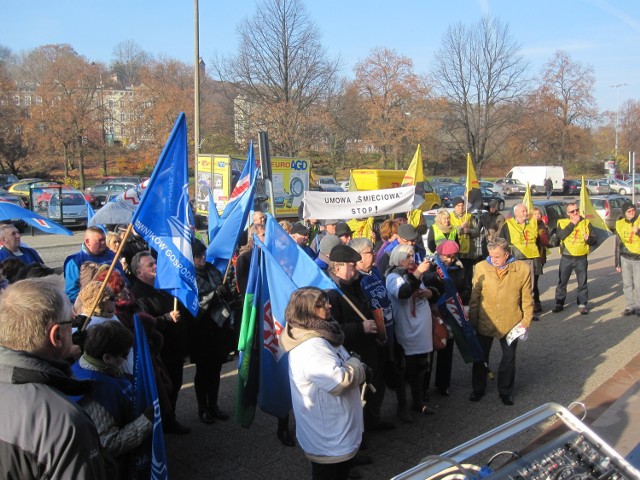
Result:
pixel 172 324
pixel 43 435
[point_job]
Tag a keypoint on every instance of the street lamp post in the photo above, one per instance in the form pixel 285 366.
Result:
pixel 617 114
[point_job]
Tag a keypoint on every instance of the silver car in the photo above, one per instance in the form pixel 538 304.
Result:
pixel 72 208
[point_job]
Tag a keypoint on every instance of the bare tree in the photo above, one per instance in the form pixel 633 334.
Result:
pixel 280 70
pixel 393 97
pixel 479 72
pixel 129 58
pixel 567 93
pixel 12 146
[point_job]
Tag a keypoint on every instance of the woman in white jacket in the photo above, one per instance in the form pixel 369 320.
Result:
pixel 324 382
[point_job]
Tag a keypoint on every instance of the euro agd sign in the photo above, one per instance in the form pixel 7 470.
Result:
pixel 213 176
pixel 290 179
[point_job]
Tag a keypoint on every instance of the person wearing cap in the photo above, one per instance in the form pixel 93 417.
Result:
pixel 576 236
pixel 447 252
pixel 468 231
pixel 327 243
pixel 522 234
pixel 359 334
pixel 492 221
pixel 412 314
pixel 407 235
pixel 441 230
pixel 344 232
pixel 327 227
pixel 300 234
pixel 375 289
pixel 627 258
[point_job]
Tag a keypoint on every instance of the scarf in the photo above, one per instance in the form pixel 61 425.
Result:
pixel 444 228
pixel 316 327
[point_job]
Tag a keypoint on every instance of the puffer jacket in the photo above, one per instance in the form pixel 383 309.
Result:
pixel 44 435
pixel 499 302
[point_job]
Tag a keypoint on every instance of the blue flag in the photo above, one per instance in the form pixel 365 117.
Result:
pixel 10 211
pixel 299 266
pixel 234 217
pixel 452 311
pixel 163 219
pixel 214 219
pixel 146 395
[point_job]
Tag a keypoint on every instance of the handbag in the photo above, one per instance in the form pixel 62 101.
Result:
pixel 221 314
pixel 440 333
pixel 554 240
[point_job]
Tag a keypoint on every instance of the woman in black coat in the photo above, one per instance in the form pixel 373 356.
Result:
pixel 210 336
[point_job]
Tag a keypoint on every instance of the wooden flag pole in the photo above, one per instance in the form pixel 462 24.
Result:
pixel 116 259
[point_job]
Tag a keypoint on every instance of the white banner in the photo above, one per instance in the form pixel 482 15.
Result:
pixel 348 205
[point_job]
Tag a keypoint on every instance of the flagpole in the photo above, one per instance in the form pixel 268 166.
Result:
pixel 116 258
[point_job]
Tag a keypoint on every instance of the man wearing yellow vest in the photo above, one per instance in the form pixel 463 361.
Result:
pixel 627 258
pixel 521 233
pixel 467 233
pixel 575 236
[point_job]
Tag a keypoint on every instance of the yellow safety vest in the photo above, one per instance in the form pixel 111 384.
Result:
pixel 439 236
pixel 464 238
pixel 524 237
pixel 630 240
pixel 574 243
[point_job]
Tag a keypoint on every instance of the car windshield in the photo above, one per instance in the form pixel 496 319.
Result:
pixel 69 199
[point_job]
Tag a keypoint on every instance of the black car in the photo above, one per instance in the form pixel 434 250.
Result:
pixel 460 191
pixel 552 211
pixel 571 187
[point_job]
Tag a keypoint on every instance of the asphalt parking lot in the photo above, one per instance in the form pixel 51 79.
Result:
pixel 565 359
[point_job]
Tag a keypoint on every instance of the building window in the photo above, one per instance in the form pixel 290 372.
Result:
pixel 110 104
pixel 122 117
pixel 122 131
pixel 16 100
pixel 38 100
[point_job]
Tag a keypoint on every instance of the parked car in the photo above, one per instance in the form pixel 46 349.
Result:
pixel 42 192
pixel 511 186
pixel 21 187
pixel 6 197
pixel 620 186
pixel 491 186
pixel 442 180
pixel 552 211
pixel 344 185
pixel 73 206
pixel 460 191
pixel 610 208
pixel 7 179
pixel 104 192
pixel 597 187
pixel 488 195
pixel 571 187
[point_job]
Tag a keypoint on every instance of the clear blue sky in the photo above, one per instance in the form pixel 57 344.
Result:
pixel 604 34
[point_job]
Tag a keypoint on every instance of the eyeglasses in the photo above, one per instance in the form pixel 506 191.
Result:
pixel 323 303
pixel 571 212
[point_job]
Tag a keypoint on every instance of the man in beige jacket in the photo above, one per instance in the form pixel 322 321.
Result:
pixel 501 300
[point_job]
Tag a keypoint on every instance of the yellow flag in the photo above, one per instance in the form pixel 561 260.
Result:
pixel 362 228
pixel 526 201
pixel 414 174
pixel 587 211
pixel 472 189
pixel 415 218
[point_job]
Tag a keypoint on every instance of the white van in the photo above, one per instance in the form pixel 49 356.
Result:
pixel 536 175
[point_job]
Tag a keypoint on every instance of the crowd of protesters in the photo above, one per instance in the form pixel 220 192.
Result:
pixel 396 282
